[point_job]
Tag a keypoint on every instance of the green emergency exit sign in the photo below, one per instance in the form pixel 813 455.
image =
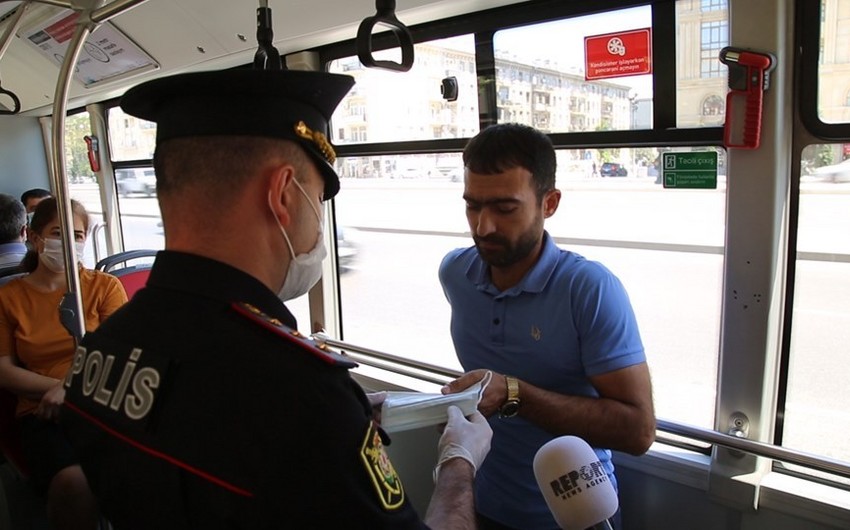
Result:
pixel 689 170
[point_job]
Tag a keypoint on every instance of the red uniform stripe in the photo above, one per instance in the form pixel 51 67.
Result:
pixel 157 454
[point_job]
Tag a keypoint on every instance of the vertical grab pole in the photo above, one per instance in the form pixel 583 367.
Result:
pixel 70 309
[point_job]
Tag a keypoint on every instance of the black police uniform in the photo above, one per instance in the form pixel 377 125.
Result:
pixel 194 407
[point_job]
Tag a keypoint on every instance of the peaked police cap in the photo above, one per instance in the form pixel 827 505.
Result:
pixel 287 104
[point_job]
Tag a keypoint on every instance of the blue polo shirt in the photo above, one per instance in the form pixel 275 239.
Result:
pixel 12 253
pixel 569 318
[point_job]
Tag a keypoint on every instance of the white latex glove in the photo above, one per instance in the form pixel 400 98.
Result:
pixel 464 438
pixel 376 400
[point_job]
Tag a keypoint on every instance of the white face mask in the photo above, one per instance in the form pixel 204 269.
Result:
pixel 53 256
pixel 304 269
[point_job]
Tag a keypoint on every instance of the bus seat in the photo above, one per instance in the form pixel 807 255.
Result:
pixel 109 263
pixel 9 277
pixel 10 435
pixel 10 270
pixel 132 277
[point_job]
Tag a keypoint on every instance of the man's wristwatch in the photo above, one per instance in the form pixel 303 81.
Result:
pixel 510 407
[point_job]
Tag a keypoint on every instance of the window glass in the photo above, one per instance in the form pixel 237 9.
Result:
pixel 130 138
pixel 817 409
pixel 834 62
pixel 541 77
pixel 660 242
pixel 386 106
pixel 82 184
pixel 702 30
pixel 141 221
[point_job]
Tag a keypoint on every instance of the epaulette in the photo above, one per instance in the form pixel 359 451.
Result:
pixel 317 349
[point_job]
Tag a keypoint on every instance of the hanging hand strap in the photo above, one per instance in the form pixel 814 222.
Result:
pixel 15 100
pixel 267 56
pixel 385 15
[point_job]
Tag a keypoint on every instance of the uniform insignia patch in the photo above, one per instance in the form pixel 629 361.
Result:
pixel 318 349
pixel 384 477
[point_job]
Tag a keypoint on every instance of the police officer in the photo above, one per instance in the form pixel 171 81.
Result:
pixel 196 405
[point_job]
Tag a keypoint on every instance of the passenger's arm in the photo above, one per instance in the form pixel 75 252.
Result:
pixel 23 382
pixel 621 418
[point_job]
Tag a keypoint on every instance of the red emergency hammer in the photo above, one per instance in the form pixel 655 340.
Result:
pixel 749 77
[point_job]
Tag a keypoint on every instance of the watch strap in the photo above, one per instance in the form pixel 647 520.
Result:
pixel 513 388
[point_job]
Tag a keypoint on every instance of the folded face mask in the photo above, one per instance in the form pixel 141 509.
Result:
pixel 402 411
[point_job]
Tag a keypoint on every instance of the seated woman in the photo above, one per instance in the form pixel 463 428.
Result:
pixel 36 351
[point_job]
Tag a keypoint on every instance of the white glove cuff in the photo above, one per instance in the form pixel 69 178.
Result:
pixel 453 450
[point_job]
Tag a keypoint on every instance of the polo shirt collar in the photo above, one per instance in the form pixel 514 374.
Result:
pixel 13 247
pixel 534 281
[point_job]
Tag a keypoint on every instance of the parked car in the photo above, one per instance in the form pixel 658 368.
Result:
pixel 835 173
pixel 347 246
pixel 612 169
pixel 135 180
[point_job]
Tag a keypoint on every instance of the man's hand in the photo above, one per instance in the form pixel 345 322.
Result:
pixel 464 438
pixel 494 395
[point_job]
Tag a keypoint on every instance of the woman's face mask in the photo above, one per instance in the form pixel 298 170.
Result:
pixel 52 255
pixel 304 269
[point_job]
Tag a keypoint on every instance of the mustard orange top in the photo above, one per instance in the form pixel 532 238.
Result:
pixel 30 328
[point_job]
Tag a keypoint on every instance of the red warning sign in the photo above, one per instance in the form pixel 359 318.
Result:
pixel 64 29
pixel 620 54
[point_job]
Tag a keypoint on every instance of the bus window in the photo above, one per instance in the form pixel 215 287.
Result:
pixel 411 106
pixel 701 83
pixel 665 245
pixel 817 393
pixel 833 89
pixel 81 180
pixel 130 138
pixel 542 79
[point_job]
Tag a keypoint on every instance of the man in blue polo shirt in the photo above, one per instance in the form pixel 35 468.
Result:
pixel 13 224
pixel 557 331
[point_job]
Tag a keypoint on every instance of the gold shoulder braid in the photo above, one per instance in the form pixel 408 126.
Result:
pixel 317 138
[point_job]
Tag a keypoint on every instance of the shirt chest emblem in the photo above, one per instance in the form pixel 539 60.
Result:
pixel 535 332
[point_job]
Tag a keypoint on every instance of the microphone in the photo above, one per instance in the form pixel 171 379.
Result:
pixel 574 484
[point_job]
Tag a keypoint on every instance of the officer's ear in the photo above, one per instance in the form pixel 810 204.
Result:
pixel 281 193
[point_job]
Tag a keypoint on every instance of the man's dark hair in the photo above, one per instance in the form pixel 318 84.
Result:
pixel 505 146
pixel 13 218
pixel 35 193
